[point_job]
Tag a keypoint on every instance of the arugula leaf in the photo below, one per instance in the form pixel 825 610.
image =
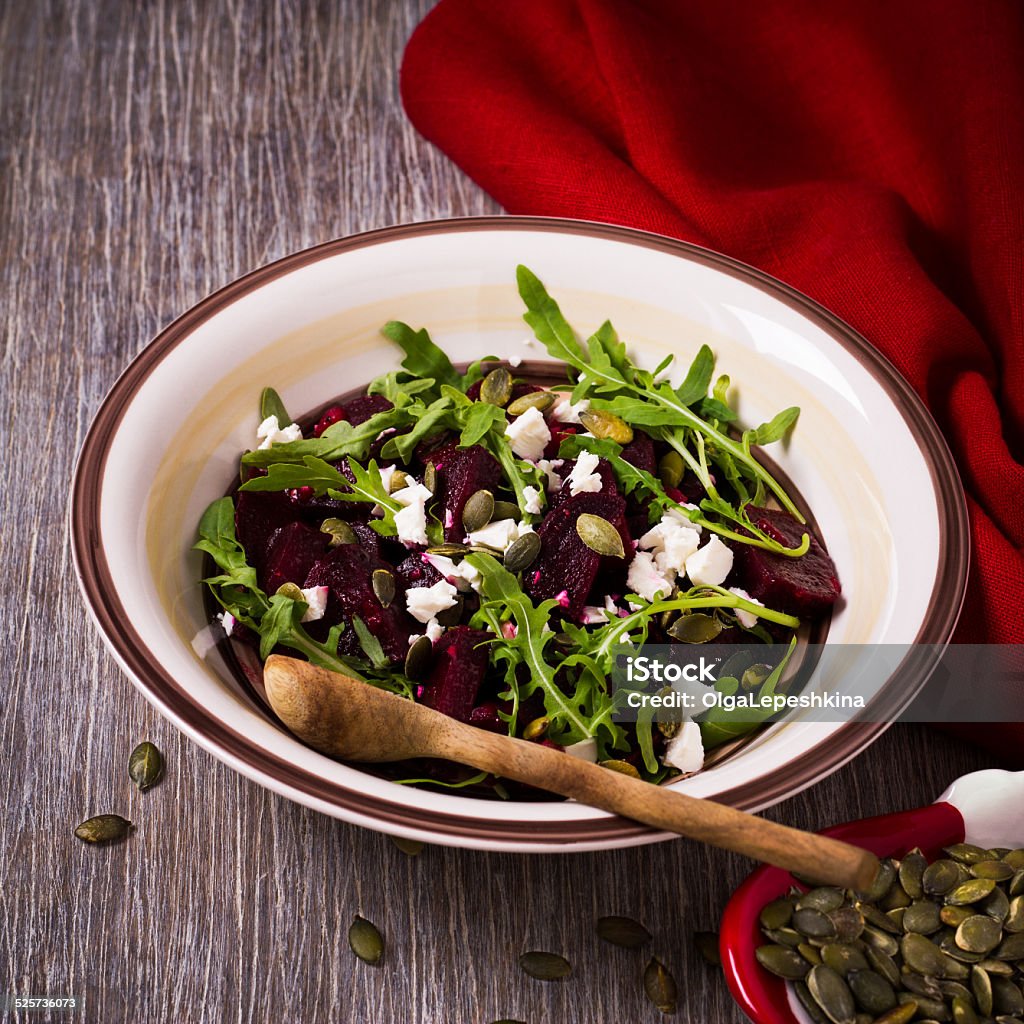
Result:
pixel 430 420
pixel 698 377
pixel 396 386
pixel 546 319
pixel 775 429
pixel 369 643
pixel 279 622
pixel 271 405
pixel 422 357
pixel 312 472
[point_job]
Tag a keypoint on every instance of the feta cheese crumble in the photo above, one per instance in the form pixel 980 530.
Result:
pixel 411 519
pixel 685 750
pixel 316 598
pixel 270 432
pixel 564 411
pixel 386 473
pixel 499 534
pixel 462 574
pixel 227 622
pixel 672 542
pixel 529 434
pixel 710 565
pixel 533 500
pixel 424 603
pixel 584 476
pixel 746 619
pixel 548 467
pixel 515 360
pixel 434 630
pixel 645 579
pixel 594 615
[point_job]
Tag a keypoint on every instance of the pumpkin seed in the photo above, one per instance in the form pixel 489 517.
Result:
pixel 931 1010
pixel 947 943
pixel 814 1011
pixel 902 1014
pixel 939 877
pixel 384 586
pixel 449 550
pixel 522 552
pixel 810 953
pixel 923 956
pixel 1006 997
pixel 622 931
pixel 955 916
pixel 410 847
pixel 922 917
pixel 813 923
pixel 981 987
pixel 911 871
pixel 417 661
pixel 545 966
pixel 843 957
pixel 695 628
pixel 880 940
pixel 979 934
pixel 430 477
pixel 997 870
pixel 963 1012
pixel 897 916
pixel 542 400
pixel 921 985
pixel 896 898
pixel 506 510
pixel 660 986
pixel 599 535
pixel 996 905
pixel 535 730
pixel 145 766
pixel 339 531
pixel 883 965
pixel 604 424
pixel 824 898
pixel 1015 858
pixel 776 914
pixel 453 614
pixel 1015 915
pixel 832 994
pixel 399 480
pixel 884 878
pixel 874 917
pixel 496 387
pixel 365 941
pixel 1011 948
pixel 952 989
pixel 785 936
pixel 1004 970
pixel 290 590
pixel 967 853
pixel 970 892
pixel 849 923
pixel 671 469
pixel 477 511
pixel 103 828
pixel 871 991
pixel 622 767
pixel 782 962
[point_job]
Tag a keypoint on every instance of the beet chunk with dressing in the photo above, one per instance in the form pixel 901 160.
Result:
pixel 640 452
pixel 347 572
pixel 292 553
pixel 416 571
pixel 461 472
pixel 565 563
pixel 359 410
pixel 258 516
pixel 807 586
pixel 460 663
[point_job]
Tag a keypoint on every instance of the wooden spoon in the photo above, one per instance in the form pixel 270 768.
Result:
pixel 348 719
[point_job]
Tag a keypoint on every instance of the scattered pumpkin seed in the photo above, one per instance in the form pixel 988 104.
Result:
pixel 902 1014
pixel 145 766
pixel 695 628
pixel 522 552
pixel 963 1011
pixel 453 614
pixel 871 991
pixel 399 480
pixel 496 387
pixel 1014 921
pixel 622 931
pixel 782 962
pixel 922 917
pixel 290 590
pixel 599 535
pixel 939 877
pixel 1011 948
pixel 430 477
pixel 542 400
pixel 955 916
pixel 970 892
pixel 365 941
pixel 813 923
pixel 843 957
pixel 545 966
pixel 776 914
pixel 832 994
pixel 996 904
pixel 824 898
pixel 339 531
pixel 966 853
pixel 477 511
pixel 671 469
pixel 410 847
pixel 1015 858
pixel 883 965
pixel 979 934
pixel 537 728
pixel 449 549
pixel 1007 998
pixel 103 828
pixel 707 946
pixel 417 661
pixel 997 870
pixel 622 767
pixel 604 424
pixel 981 988
pixel 660 986
pixel 383 581
pixel 506 510
pixel 810 953
pixel 911 871
pixel 884 878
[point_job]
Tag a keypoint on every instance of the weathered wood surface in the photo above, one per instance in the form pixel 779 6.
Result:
pixel 152 152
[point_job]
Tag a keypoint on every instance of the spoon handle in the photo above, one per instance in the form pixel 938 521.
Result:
pixel 813 856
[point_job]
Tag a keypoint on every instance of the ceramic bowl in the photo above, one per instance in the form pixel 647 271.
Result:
pixel 865 456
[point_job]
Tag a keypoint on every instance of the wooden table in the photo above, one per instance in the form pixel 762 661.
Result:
pixel 151 153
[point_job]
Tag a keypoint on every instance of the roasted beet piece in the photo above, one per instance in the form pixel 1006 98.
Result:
pixel 461 472
pixel 565 562
pixel 640 452
pixel 331 415
pixel 416 571
pixel 604 471
pixel 347 571
pixel 258 516
pixel 359 410
pixel 459 667
pixel 807 586
pixel 291 555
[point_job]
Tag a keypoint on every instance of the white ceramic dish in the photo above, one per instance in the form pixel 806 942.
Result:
pixel 866 457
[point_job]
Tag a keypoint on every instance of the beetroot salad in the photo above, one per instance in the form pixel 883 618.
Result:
pixel 485 545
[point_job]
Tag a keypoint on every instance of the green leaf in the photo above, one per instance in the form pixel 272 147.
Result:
pixel 698 377
pixel 369 643
pixel 312 472
pixel 641 412
pixel 543 315
pixel 432 419
pixel 271 405
pixel 279 621
pixel 479 420
pixel 775 429
pixel 422 357
pixel 397 386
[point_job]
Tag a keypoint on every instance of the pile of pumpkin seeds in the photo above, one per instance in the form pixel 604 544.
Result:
pixel 930 942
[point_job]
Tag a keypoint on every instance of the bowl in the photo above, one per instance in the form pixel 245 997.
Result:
pixel 866 457
pixel 983 808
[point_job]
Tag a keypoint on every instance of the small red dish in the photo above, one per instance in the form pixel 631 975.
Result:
pixel 986 808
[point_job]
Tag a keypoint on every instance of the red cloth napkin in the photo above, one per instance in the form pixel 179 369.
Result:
pixel 869 153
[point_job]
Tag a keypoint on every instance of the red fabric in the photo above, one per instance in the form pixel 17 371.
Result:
pixel 869 153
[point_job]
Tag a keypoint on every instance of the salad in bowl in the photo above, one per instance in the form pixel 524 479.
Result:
pixel 484 538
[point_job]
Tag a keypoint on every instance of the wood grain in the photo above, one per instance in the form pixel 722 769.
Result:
pixel 151 152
